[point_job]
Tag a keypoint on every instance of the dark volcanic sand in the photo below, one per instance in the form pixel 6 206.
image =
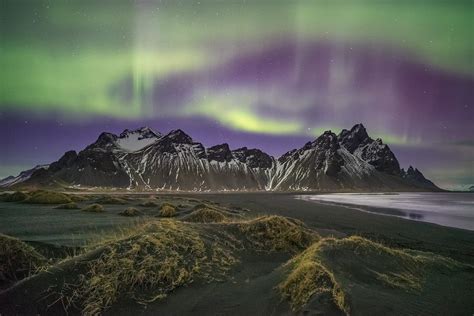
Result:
pixel 251 289
pixel 391 231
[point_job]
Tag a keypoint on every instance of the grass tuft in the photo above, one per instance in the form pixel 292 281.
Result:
pixel 130 211
pixel 94 208
pixel 277 233
pixel 15 197
pixel 167 210
pixel 112 200
pixel 48 197
pixel 150 262
pixel 350 268
pixel 308 278
pixel 78 198
pixel 17 260
pixel 68 206
pixel 206 215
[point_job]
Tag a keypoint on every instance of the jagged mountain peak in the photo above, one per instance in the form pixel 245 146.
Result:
pixel 179 136
pixel 141 158
pixel 143 132
pixel 412 171
pixel 327 140
pixel 219 153
pixel 354 138
pixel 127 141
pixel 105 141
pixel 254 158
pixel 359 129
pixel 414 176
pixel 222 147
pixel 358 142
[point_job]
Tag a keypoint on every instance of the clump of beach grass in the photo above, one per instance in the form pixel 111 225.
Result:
pixel 277 233
pixel 308 278
pixel 48 197
pixel 78 198
pixel 206 215
pixel 167 210
pixel 346 268
pixel 130 211
pixel 112 200
pixel 94 208
pixel 68 206
pixel 153 260
pixel 17 196
pixel 17 260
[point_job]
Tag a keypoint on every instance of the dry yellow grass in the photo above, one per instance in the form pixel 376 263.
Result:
pixel 78 198
pixel 150 262
pixel 130 211
pixel 152 259
pixel 347 267
pixel 206 215
pixel 68 206
pixel 17 259
pixel 15 197
pixel 94 208
pixel 167 210
pixel 309 277
pixel 47 197
pixel 277 233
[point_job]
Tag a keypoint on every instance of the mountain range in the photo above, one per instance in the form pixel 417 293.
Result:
pixel 143 159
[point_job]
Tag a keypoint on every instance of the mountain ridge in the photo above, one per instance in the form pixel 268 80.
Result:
pixel 143 159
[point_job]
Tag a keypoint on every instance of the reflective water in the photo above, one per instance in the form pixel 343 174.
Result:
pixel 447 209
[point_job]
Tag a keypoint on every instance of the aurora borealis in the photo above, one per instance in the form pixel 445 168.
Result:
pixel 267 74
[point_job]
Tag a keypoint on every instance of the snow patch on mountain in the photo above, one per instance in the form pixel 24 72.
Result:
pixel 144 159
pixel 23 176
pixel 136 139
pixel 134 142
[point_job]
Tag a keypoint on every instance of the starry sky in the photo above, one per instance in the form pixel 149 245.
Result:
pixel 266 74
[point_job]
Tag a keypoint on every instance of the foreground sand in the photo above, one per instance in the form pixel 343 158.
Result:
pixel 228 254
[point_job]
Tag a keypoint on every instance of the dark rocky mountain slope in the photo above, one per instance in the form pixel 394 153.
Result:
pixel 144 159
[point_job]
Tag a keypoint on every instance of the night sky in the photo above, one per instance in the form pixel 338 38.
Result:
pixel 266 74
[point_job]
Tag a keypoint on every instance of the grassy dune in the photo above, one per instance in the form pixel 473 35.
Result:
pixel 48 197
pixel 355 274
pixel 167 210
pixel 206 215
pixel 68 206
pixel 37 197
pixel 157 257
pixel 14 197
pixel 130 211
pixel 17 260
pixel 94 208
pixel 201 244
pixel 148 262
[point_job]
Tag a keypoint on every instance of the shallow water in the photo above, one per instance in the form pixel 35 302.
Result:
pixel 447 209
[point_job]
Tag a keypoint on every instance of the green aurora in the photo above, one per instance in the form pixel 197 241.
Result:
pixel 288 69
pixel 69 56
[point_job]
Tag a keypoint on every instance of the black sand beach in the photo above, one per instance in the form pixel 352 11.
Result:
pixel 251 286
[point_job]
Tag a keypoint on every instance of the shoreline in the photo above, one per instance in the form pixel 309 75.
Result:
pixel 419 215
pixel 256 224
